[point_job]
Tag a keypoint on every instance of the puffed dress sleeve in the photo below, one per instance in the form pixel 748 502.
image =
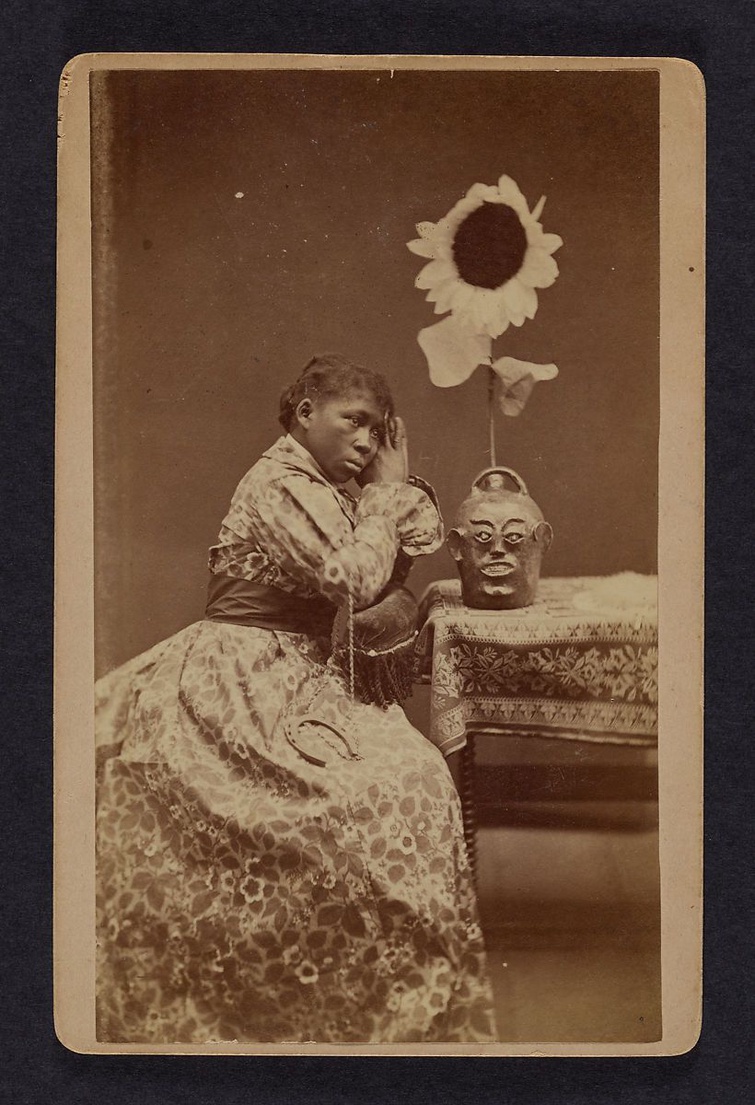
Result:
pixel 303 527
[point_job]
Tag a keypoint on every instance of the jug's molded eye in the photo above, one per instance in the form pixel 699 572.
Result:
pixel 514 533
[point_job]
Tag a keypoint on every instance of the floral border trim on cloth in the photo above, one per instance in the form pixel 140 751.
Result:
pixel 564 667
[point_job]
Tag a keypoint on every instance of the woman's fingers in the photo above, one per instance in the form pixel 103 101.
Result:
pixel 398 437
pixel 390 463
pixel 400 443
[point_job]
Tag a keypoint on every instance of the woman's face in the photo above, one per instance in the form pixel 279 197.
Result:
pixel 342 433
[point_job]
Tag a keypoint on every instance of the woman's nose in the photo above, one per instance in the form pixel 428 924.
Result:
pixel 363 442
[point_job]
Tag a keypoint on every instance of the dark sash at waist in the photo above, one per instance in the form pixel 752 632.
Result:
pixel 240 602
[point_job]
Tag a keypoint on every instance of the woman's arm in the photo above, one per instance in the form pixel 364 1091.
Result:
pixel 301 525
pixel 304 527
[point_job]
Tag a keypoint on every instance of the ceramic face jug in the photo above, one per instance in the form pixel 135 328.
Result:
pixel 498 541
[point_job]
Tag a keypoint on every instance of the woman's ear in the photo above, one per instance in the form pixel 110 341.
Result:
pixel 303 412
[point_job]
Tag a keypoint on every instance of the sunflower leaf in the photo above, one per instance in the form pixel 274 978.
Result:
pixel 516 379
pixel 452 352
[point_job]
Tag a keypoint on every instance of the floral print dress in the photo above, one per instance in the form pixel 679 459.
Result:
pixel 247 891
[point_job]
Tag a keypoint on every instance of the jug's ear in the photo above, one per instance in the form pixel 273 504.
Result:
pixel 544 535
pixel 453 543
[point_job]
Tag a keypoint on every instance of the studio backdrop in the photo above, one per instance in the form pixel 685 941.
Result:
pixel 245 220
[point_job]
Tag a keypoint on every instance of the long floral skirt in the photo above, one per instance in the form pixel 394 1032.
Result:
pixel 266 878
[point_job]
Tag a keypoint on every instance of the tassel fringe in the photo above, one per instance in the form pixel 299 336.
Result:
pixel 382 679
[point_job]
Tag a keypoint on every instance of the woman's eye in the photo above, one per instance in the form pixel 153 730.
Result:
pixel 514 536
pixel 377 433
pixel 483 535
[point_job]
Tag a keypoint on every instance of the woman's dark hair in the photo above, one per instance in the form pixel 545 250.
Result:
pixel 327 376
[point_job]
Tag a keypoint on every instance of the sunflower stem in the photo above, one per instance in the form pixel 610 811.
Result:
pixel 491 416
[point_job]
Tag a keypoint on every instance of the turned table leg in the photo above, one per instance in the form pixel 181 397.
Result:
pixel 466 791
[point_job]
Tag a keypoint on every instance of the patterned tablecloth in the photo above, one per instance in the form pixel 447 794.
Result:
pixel 579 664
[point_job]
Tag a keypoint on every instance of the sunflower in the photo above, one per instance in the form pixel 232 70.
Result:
pixel 487 257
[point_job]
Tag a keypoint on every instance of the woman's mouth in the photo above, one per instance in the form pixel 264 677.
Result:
pixel 354 465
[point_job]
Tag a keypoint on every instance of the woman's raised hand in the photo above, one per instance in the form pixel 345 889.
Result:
pixel 391 462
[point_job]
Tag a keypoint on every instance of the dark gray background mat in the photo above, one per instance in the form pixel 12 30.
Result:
pixel 39 37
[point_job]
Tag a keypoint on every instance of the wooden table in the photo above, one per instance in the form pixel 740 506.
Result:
pixel 580 664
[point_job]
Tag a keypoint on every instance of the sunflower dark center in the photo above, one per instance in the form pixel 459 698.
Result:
pixel 489 245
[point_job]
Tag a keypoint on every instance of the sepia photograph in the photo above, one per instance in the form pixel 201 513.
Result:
pixel 379 555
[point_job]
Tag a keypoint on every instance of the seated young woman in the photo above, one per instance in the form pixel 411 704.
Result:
pixel 262 878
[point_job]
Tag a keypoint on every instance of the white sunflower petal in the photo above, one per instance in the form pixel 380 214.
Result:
pixel 444 252
pixel 481 193
pixel 534 232
pixel 530 299
pixel 434 273
pixel 466 319
pixel 470 202
pixel 472 314
pixel 434 294
pixel 512 294
pixel 505 320
pixel 515 317
pixel 445 229
pixel 461 209
pixel 464 295
pixel 422 247
pixel 539 270
pixel 458 214
pixel 445 296
pixel 511 194
pixel 452 352
pixel 538 208
pixel 487 313
pixel 551 242
pixel 497 317
pixel 482 310
pixel 468 315
pixel 500 324
pixel 463 320
pixel 536 237
pixel 426 230
pixel 477 191
pixel 444 300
